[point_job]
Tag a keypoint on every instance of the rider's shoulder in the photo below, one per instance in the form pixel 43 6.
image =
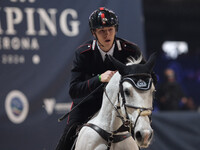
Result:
pixel 85 47
pixel 127 45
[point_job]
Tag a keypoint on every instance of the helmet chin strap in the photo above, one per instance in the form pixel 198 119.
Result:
pixel 98 40
pixel 100 43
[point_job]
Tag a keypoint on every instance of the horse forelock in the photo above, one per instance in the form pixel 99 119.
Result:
pixel 132 60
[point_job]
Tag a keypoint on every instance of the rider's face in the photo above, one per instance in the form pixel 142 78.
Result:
pixel 105 37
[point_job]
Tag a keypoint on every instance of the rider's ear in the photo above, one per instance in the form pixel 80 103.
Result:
pixel 94 33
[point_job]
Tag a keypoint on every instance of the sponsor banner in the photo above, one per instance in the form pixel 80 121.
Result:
pixel 37 43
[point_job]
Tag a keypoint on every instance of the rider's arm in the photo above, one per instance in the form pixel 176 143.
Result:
pixel 82 82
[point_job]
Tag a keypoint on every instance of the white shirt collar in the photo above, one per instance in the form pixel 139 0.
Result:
pixel 110 52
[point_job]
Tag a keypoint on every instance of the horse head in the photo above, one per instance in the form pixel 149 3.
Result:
pixel 136 88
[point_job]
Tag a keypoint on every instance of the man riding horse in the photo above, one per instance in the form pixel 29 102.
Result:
pixel 91 68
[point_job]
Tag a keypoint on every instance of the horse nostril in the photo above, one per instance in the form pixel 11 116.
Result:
pixel 138 136
pixel 150 136
pixel 143 136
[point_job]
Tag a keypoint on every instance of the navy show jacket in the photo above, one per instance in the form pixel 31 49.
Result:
pixel 87 66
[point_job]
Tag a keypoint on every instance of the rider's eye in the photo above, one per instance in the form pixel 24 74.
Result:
pixel 111 29
pixel 127 92
pixel 102 31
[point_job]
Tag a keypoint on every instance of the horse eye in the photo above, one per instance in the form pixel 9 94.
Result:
pixel 127 92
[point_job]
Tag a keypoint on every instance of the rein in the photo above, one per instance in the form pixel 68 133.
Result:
pixel 82 101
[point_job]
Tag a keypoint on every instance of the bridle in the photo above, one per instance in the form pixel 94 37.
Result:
pixel 127 123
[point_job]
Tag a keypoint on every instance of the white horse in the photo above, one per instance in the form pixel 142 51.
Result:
pixel 123 122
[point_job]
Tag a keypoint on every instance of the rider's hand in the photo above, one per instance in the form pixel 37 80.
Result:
pixel 106 76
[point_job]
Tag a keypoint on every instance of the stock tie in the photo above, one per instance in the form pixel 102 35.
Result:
pixel 106 61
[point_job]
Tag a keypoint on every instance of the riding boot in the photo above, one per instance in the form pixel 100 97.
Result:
pixel 68 137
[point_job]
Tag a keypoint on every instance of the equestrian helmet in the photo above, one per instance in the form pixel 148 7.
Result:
pixel 103 17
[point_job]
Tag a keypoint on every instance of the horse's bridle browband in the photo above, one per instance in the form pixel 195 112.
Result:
pixel 126 122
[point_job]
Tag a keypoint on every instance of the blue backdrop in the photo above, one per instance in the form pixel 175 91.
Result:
pixel 37 44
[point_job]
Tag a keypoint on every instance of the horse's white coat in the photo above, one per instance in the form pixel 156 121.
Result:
pixel 106 119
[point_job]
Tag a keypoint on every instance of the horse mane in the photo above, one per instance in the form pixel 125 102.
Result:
pixel 132 60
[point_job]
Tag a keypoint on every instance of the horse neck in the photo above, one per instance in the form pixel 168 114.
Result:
pixel 107 116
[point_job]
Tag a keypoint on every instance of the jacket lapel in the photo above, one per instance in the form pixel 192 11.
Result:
pixel 99 65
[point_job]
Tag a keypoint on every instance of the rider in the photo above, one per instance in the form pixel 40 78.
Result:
pixel 91 69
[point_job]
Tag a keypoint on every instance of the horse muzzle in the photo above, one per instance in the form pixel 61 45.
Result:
pixel 143 138
pixel 144 135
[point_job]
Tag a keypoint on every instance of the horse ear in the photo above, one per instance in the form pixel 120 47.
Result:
pixel 151 61
pixel 117 64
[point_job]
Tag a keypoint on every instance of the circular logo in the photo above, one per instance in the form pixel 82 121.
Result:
pixel 16 105
pixel 141 83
